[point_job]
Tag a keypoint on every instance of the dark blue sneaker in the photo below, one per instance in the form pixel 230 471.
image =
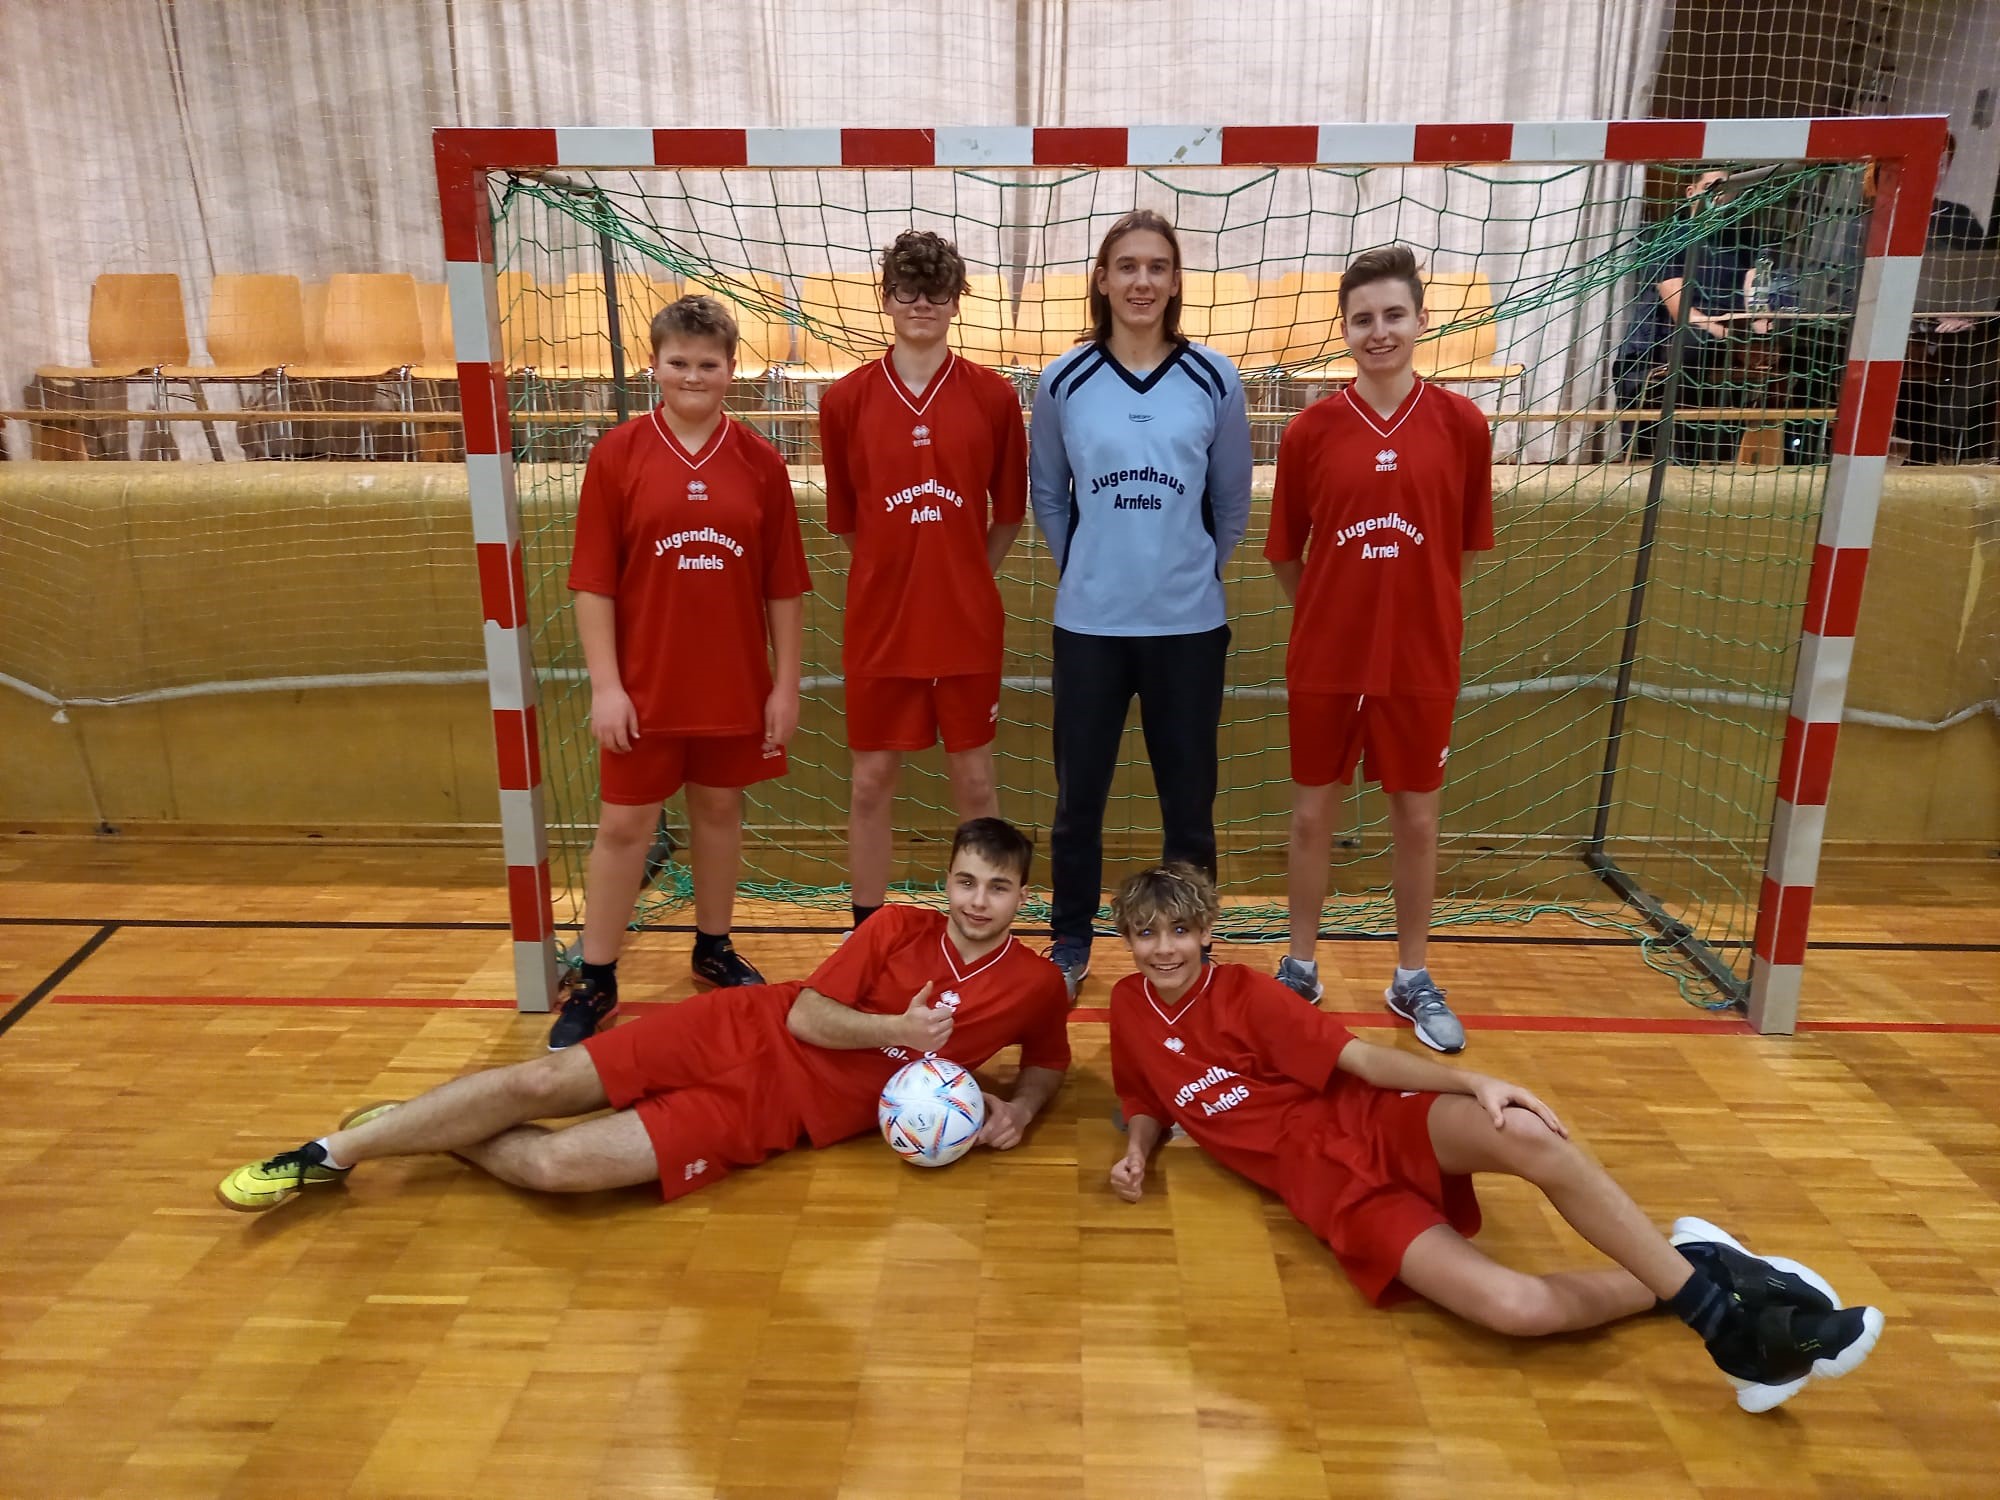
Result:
pixel 586 1007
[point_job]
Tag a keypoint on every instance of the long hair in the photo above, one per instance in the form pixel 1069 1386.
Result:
pixel 1100 305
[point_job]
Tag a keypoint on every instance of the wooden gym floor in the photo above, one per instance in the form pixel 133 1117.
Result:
pixel 837 1324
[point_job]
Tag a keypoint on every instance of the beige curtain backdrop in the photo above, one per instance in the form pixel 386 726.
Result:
pixel 199 136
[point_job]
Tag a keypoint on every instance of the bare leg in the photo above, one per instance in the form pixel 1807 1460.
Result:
pixel 616 871
pixel 973 793
pixel 610 1151
pixel 454 1115
pixel 1306 865
pixel 715 834
pixel 871 793
pixel 1413 825
pixel 1446 1268
pixel 1464 1137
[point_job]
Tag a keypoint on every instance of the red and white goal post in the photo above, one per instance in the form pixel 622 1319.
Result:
pixel 1905 152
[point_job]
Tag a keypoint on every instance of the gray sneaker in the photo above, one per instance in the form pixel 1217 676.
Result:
pixel 1420 1002
pixel 1073 958
pixel 1302 979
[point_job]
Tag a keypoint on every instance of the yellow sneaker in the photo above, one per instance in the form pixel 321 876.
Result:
pixel 262 1185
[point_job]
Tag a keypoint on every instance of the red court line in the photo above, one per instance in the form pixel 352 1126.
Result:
pixel 1716 1025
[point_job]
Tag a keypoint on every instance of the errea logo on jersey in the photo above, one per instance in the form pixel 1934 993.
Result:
pixel 1385 461
pixel 697 490
pixel 694 1169
pixel 1173 1044
pixel 920 436
pixel 949 1000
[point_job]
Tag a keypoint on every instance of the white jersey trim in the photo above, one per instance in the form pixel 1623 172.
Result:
pixel 961 976
pixel 708 450
pixel 1207 974
pixel 902 391
pixel 1367 413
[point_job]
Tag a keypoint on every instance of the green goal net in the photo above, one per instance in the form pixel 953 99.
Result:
pixel 1630 643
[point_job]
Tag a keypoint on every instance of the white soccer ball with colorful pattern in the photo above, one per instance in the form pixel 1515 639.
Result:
pixel 930 1110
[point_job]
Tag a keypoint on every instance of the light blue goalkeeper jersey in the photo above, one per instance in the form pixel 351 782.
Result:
pixel 1141 487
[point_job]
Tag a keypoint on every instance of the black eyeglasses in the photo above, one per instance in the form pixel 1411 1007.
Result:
pixel 908 296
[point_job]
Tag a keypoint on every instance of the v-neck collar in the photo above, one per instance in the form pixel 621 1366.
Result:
pixel 1195 992
pixel 959 973
pixel 918 405
pixel 708 449
pixel 1152 376
pixel 1396 418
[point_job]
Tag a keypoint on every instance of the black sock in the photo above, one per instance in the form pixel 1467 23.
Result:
pixel 862 913
pixel 604 976
pixel 707 944
pixel 1702 1305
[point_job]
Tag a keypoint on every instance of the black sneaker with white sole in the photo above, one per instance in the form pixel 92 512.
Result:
pixel 721 967
pixel 1772 1353
pixel 1754 1280
pixel 1302 979
pixel 587 1006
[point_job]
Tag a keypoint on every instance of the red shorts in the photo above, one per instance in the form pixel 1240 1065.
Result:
pixel 913 713
pixel 1400 742
pixel 1368 1182
pixel 658 765
pixel 707 1080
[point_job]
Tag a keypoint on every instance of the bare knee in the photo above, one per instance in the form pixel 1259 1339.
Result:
pixel 1312 814
pixel 626 830
pixel 1532 1151
pixel 973 784
pixel 550 1086
pixel 1520 1306
pixel 872 784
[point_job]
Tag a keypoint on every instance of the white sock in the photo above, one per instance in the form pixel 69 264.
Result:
pixel 322 1144
pixel 1404 976
pixel 1310 965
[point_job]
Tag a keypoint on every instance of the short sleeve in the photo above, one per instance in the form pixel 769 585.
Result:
pixel 1476 503
pixel 1009 483
pixel 1046 1044
pixel 1293 1039
pixel 852 969
pixel 1291 497
pixel 785 575
pixel 600 507
pixel 834 421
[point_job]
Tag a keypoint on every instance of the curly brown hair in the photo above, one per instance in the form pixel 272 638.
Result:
pixel 1173 892
pixel 694 317
pixel 925 263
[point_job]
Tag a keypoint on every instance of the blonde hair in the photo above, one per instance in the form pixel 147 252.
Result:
pixel 1174 892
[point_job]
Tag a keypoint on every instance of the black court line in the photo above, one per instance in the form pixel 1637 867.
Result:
pixel 1469 939
pixel 61 972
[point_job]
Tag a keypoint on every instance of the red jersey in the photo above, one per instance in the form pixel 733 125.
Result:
pixel 1230 1062
pixel 690 546
pixel 1011 995
pixel 908 478
pixel 1392 505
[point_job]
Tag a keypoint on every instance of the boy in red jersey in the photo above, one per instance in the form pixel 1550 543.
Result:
pixel 1373 1149
pixel 722 1081
pixel 1393 479
pixel 689 574
pixel 916 446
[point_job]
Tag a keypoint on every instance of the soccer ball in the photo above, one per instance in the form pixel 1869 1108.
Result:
pixel 930 1110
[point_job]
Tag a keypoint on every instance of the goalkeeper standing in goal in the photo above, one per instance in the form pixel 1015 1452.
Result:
pixel 915 445
pixel 1391 479
pixel 1139 473
pixel 689 576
